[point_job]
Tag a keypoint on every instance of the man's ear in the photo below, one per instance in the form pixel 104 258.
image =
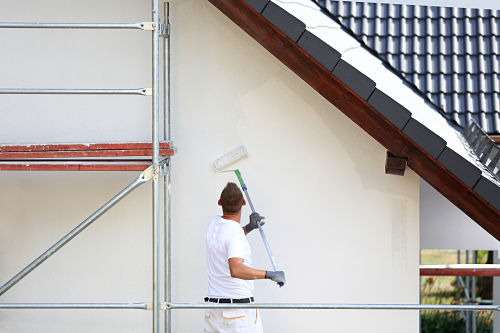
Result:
pixel 244 202
pixel 219 203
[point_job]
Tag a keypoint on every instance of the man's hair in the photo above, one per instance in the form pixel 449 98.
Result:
pixel 231 198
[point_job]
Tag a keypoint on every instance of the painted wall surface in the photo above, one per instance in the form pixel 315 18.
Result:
pixel 444 226
pixel 343 231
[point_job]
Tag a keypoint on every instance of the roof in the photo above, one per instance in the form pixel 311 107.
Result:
pixel 451 55
pixel 359 84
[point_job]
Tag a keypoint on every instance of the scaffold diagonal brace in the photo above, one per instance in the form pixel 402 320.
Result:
pixel 145 176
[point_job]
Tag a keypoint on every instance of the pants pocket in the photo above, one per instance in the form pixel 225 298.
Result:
pixel 234 313
pixel 235 320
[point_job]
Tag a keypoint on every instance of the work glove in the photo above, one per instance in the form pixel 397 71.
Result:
pixel 276 276
pixel 254 218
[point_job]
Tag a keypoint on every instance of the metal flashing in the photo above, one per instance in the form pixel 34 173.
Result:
pixel 291 26
pixel 424 137
pixel 319 50
pixel 258 5
pixel 484 147
pixel 467 172
pixel 354 79
pixel 389 108
pixel 492 160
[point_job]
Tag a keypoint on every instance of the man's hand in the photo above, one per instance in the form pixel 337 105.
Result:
pixel 254 218
pixel 276 276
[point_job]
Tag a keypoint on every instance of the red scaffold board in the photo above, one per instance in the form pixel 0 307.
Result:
pixel 129 156
pixel 460 270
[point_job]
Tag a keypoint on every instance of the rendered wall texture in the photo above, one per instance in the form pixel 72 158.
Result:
pixel 343 231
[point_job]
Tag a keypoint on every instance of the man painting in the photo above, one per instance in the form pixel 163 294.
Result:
pixel 229 266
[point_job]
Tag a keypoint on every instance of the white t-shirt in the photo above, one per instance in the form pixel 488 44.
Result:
pixel 226 239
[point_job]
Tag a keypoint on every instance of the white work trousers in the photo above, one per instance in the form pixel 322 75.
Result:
pixel 232 321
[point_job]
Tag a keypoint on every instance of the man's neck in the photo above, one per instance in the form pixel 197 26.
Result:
pixel 234 217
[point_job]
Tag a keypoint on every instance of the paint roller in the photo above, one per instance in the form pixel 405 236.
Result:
pixel 232 157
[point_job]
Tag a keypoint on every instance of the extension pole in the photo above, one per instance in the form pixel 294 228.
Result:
pixel 262 234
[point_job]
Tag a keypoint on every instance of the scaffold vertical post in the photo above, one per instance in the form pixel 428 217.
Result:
pixel 473 293
pixel 156 158
pixel 167 178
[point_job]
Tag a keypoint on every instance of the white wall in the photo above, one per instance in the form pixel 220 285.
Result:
pixel 444 226
pixel 341 229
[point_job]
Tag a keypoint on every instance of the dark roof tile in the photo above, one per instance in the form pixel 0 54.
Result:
pixel 489 191
pixel 389 108
pixel 319 50
pixel 424 137
pixel 354 79
pixel 291 26
pixel 258 5
pixel 467 172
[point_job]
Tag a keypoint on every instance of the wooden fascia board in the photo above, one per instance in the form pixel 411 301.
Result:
pixel 359 111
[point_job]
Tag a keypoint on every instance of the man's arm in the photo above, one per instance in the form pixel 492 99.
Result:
pixel 240 271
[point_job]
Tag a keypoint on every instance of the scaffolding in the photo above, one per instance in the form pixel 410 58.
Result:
pixel 107 157
pixel 155 168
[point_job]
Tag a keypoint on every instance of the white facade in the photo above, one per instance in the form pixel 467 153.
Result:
pixel 444 226
pixel 343 231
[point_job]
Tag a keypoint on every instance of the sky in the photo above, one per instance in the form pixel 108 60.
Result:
pixel 488 4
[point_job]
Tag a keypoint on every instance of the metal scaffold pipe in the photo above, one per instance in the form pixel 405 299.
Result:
pixel 37 25
pixel 327 306
pixel 167 178
pixel 74 306
pixel 156 158
pixel 139 91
